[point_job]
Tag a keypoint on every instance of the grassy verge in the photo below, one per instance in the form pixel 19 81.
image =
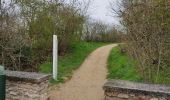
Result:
pixel 163 78
pixel 72 61
pixel 121 66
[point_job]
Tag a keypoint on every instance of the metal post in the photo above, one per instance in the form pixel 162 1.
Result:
pixel 55 56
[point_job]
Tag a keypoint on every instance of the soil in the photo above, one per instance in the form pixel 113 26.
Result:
pixel 88 80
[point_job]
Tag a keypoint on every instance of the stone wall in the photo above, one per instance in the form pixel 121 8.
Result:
pixel 125 90
pixel 26 86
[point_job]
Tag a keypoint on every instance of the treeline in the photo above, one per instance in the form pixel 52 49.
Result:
pixel 147 30
pixel 98 31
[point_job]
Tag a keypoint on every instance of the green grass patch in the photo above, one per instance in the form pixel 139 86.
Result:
pixel 121 66
pixel 72 61
pixel 163 77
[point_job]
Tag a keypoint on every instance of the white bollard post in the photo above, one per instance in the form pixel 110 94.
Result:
pixel 55 56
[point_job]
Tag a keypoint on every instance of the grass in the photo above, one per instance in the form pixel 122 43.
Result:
pixel 121 66
pixel 71 61
pixel 163 78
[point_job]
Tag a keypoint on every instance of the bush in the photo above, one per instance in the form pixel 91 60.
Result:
pixel 146 24
pixel 26 29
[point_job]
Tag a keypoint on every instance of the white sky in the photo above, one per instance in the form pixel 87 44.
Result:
pixel 99 10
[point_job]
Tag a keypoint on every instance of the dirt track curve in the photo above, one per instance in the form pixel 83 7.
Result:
pixel 87 81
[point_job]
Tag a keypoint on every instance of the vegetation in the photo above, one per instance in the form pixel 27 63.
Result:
pixel 147 35
pixel 124 67
pixel 99 31
pixel 71 61
pixel 27 26
pixel 121 66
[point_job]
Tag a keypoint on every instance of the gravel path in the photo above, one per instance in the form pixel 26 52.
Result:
pixel 87 81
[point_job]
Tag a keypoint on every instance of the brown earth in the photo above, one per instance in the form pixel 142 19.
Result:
pixel 87 81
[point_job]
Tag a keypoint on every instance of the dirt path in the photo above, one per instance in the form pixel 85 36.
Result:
pixel 87 81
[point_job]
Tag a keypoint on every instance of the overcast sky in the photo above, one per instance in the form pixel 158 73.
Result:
pixel 100 10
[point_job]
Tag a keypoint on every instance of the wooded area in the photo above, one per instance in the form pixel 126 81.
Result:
pixel 146 24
